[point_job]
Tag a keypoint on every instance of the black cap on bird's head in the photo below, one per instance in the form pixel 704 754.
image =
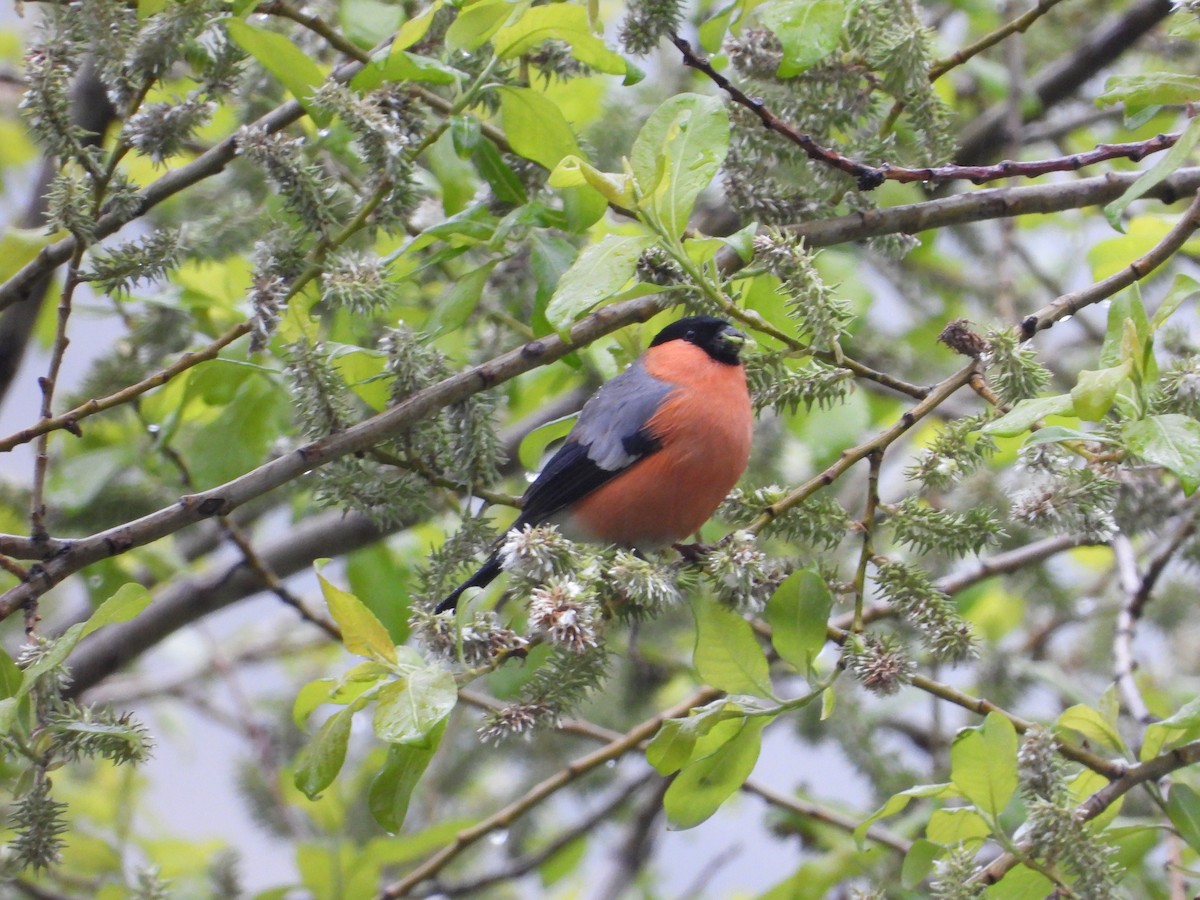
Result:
pixel 714 336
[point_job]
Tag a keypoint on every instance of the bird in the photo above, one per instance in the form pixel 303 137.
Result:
pixel 654 451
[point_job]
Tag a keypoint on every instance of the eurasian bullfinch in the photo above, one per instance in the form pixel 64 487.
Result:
pixel 654 452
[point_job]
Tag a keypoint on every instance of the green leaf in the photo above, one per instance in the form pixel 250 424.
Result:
pixel 599 273
pixel 951 827
pixel 1126 312
pixel 563 22
pixel 918 862
pixel 415 28
pixel 675 742
pixel 676 155
pixel 10 676
pixel 742 242
pixel 367 22
pixel 728 655
pixel 1053 434
pixel 319 762
pixel 379 577
pixel 1155 89
pixel 293 67
pixel 897 803
pixel 129 600
pixel 404 66
pixel 1161 734
pixel 505 184
pixel 537 130
pixel 1176 157
pixel 1183 809
pixel 572 171
pixel 1095 391
pixel 20 245
pixel 983 764
pixel 809 31
pixel 477 22
pixel 455 306
pixel 1027 413
pixel 798 613
pixel 408 709
pixel 309 697
pixel 239 436
pixel 535 126
pixel 533 445
pixel 1183 288
pixel 561 864
pixel 711 777
pixel 1021 883
pixel 391 790
pixel 1093 725
pixel 362 632
pixel 1171 441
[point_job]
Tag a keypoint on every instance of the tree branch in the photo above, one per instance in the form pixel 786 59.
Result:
pixel 224 498
pixel 578 768
pixel 869 177
pixel 1071 303
pixel 1064 77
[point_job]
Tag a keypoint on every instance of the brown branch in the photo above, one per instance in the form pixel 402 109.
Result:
pixel 992 203
pixel 574 770
pixel 848 458
pixel 1151 770
pixel 223 499
pixel 1019 24
pixel 1137 589
pixel 869 177
pixel 1065 76
pixel 526 863
pixel 1071 303
pixel 818 813
pixel 208 164
pixel 70 419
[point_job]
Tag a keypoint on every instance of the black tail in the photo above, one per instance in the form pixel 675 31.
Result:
pixel 486 575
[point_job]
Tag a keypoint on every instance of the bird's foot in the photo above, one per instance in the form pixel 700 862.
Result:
pixel 693 553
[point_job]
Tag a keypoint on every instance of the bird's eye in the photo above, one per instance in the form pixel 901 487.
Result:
pixel 689 335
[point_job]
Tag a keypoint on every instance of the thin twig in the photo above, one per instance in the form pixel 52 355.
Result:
pixel 875 462
pixel 1148 771
pixel 526 863
pixel 869 177
pixel 1019 24
pixel 538 793
pixel 224 498
pixel 1137 590
pixel 1071 303
pixel 848 458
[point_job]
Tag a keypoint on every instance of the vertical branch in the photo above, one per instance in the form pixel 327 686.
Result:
pixel 1137 590
pixel 37 500
pixel 875 461
pixel 1123 662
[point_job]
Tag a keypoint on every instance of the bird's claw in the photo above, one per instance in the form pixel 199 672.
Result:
pixel 692 553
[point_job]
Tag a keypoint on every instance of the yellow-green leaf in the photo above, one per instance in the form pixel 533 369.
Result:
pixel 711 777
pixel 728 655
pixel 362 632
pixel 293 67
pixel 798 612
pixel 983 763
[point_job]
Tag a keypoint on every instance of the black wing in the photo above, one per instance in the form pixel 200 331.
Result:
pixel 610 436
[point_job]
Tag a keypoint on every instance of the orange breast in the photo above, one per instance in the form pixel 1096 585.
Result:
pixel 704 427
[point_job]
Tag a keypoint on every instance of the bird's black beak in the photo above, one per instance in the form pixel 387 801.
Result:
pixel 734 338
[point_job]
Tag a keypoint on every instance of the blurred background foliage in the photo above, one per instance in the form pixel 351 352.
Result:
pixel 956 581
